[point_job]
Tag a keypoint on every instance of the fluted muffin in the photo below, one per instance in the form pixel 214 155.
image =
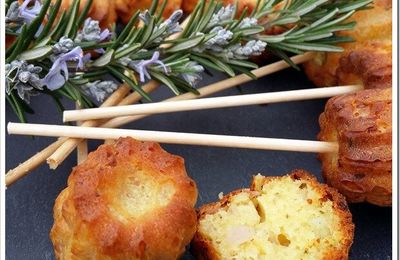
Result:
pixel 361 123
pixel 128 200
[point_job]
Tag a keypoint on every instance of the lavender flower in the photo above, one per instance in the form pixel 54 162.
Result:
pixel 222 38
pixel 248 22
pixel 58 73
pixel 218 42
pixel 25 91
pixel 100 90
pixel 24 78
pixel 29 13
pixel 12 15
pixel 164 29
pixel 251 48
pixel 192 73
pixel 91 32
pixel 18 14
pixel 224 15
pixel 142 66
pixel 172 23
pixel 64 45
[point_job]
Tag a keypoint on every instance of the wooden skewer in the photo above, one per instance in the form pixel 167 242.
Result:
pixel 82 148
pixel 208 103
pixel 174 137
pixel 24 168
pixel 82 151
pixel 62 153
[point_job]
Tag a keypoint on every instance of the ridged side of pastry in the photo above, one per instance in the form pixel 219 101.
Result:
pixel 289 217
pixel 128 200
pixel 367 60
pixel 361 123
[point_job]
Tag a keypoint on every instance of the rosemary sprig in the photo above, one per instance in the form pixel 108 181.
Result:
pixel 67 54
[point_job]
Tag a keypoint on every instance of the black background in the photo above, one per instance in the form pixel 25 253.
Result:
pixel 29 202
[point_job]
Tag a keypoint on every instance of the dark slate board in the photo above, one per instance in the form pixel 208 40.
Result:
pixel 30 201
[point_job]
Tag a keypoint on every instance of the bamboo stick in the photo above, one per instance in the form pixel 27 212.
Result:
pixel 62 153
pixel 174 137
pixel 82 151
pixel 82 148
pixel 35 161
pixel 208 103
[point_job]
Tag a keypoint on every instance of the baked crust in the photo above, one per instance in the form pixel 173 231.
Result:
pixel 100 216
pixel 202 247
pixel 103 11
pixel 367 60
pixel 361 123
pixel 189 5
pixel 107 12
pixel 126 8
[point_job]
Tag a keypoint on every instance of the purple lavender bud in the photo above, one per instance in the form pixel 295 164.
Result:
pixel 91 32
pixel 223 15
pixel 13 13
pixel 141 66
pixel 247 22
pixel 63 45
pixel 29 13
pixel 192 76
pixel 99 89
pixel 58 73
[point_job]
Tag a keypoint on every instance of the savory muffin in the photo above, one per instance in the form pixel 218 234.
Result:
pixel 361 123
pixel 367 60
pixel 289 217
pixel 129 200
